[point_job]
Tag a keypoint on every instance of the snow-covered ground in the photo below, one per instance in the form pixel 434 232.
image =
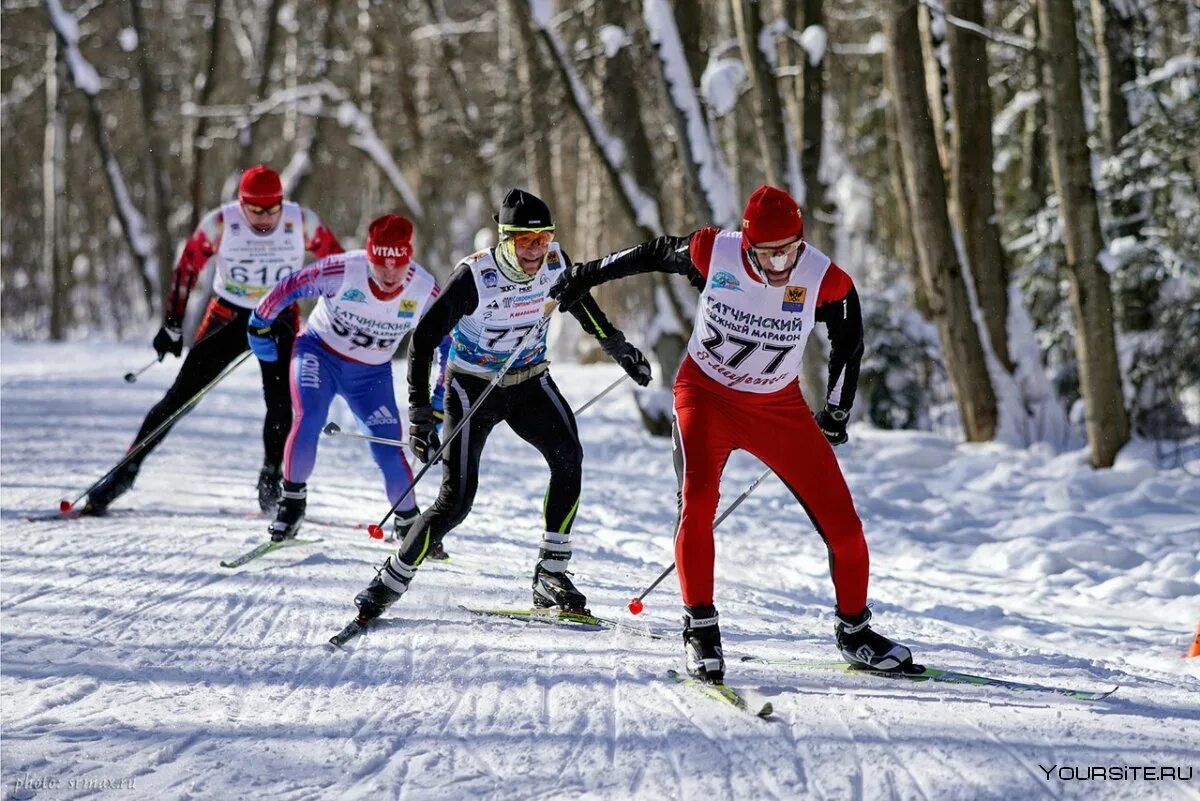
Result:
pixel 130 659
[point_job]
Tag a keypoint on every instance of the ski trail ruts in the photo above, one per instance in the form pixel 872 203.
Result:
pixel 730 755
pixel 192 583
pixel 1045 789
pixel 864 714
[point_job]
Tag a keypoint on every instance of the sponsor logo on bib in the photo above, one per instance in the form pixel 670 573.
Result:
pixel 354 296
pixel 724 280
pixel 793 298
pixel 490 278
pixel 408 308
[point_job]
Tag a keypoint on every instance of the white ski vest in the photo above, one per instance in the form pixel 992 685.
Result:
pixel 749 335
pixel 360 326
pixel 249 264
pixel 485 339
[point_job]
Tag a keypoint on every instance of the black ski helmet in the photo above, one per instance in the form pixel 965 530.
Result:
pixel 524 210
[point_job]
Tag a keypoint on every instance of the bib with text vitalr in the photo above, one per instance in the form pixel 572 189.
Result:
pixel 248 263
pixel 362 327
pixel 483 340
pixel 749 335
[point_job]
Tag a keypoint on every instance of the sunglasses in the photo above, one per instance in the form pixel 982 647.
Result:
pixel 252 209
pixel 529 237
pixel 787 249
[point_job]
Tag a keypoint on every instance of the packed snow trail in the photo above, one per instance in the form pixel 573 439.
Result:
pixel 129 655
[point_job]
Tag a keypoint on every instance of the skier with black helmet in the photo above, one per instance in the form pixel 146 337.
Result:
pixel 491 304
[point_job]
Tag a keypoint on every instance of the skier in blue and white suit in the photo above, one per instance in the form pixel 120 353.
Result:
pixel 367 301
pixel 494 300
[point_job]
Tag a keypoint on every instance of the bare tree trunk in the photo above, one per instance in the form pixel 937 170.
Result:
pixel 466 112
pixel 265 60
pixel 932 26
pixel 705 181
pixel 155 149
pixel 207 81
pixel 637 202
pixel 535 77
pixel 53 202
pixel 1091 293
pixel 805 107
pixel 1115 55
pixel 768 116
pixel 971 172
pixel 87 81
pixel 1033 136
pixel 942 274
pixel 299 168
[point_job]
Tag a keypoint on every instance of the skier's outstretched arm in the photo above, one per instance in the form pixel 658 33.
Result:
pixel 593 320
pixel 681 255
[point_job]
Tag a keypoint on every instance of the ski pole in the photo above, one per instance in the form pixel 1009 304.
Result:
pixel 133 376
pixel 635 604
pixel 376 529
pixel 602 393
pixel 66 506
pixel 334 430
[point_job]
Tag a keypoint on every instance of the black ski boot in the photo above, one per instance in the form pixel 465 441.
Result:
pixel 269 489
pixel 390 582
pixel 703 658
pixel 557 589
pixel 108 490
pixel 864 648
pixel 292 503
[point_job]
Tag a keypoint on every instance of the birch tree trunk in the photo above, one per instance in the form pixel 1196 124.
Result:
pixel 971 172
pixel 1090 290
pixel 940 269
pixel 768 107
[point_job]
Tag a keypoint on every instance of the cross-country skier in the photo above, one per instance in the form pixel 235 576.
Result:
pixel 762 289
pixel 255 242
pixel 492 302
pixel 367 300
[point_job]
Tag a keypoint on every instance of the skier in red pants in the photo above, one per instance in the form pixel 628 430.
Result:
pixel 762 289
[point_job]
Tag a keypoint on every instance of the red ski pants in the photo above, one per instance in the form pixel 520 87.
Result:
pixel 711 421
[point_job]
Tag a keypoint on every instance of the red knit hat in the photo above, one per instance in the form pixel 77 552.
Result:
pixel 389 241
pixel 261 186
pixel 770 216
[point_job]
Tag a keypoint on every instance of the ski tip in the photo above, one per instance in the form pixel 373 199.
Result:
pixel 766 710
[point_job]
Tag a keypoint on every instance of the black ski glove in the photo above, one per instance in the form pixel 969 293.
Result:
pixel 422 432
pixel 832 422
pixel 567 292
pixel 169 339
pixel 630 358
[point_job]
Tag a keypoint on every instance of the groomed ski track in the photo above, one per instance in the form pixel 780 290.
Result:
pixel 129 655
